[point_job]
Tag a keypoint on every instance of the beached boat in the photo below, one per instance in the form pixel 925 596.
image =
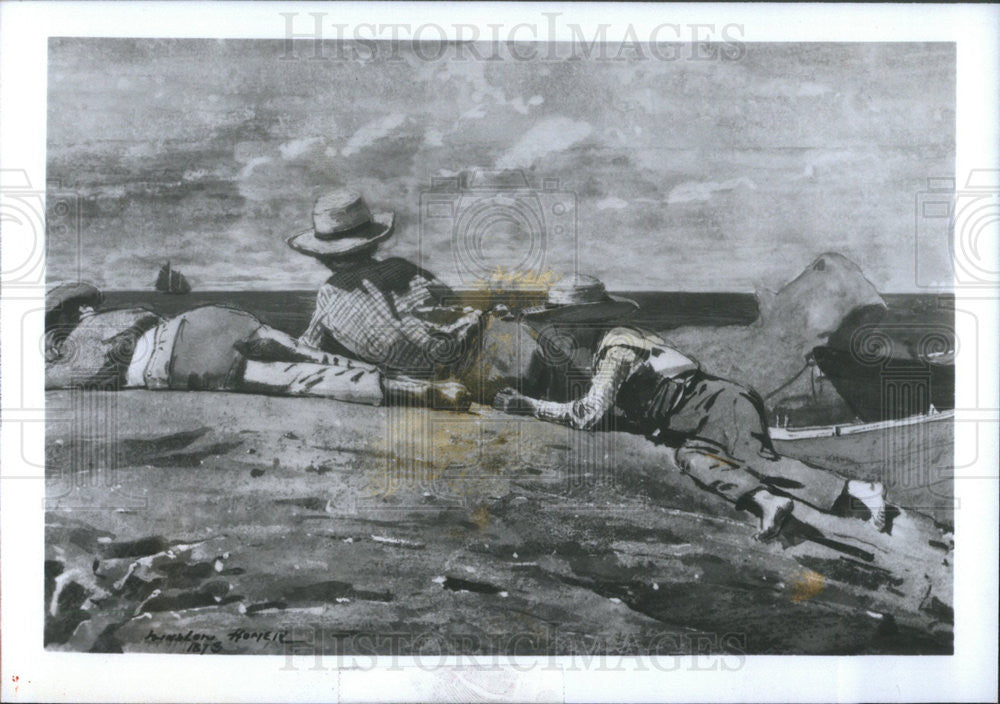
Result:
pixel 893 364
pixel 895 371
pixel 171 281
pixel 913 456
pixel 896 388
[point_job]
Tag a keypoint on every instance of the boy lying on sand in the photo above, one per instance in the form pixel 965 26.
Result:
pixel 211 348
pixel 717 425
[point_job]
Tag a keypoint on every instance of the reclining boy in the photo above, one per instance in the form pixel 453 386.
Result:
pixel 717 426
pixel 212 348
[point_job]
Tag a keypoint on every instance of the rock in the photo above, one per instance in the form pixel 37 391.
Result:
pixel 792 322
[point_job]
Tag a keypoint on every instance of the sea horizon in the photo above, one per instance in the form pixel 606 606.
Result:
pixel 290 309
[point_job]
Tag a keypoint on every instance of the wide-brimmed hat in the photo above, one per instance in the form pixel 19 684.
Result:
pixel 342 225
pixel 578 299
pixel 64 300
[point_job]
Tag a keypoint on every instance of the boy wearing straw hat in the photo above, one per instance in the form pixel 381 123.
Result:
pixel 378 311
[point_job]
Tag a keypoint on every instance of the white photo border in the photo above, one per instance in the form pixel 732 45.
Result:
pixel 31 673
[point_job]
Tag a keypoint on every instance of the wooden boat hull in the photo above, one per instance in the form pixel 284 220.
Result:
pixel 913 457
pixel 884 390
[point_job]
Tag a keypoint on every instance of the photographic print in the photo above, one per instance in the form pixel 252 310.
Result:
pixel 498 352
pixel 427 347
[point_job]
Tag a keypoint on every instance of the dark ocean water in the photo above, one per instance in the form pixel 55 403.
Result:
pixel 658 310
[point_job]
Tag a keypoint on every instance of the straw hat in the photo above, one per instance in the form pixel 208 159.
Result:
pixel 342 225
pixel 62 302
pixel 580 298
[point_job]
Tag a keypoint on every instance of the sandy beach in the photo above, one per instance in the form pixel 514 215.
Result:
pixel 207 522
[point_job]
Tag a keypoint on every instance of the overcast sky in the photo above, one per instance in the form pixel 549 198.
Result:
pixel 676 175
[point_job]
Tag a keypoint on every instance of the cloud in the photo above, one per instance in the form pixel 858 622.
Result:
pixel 522 107
pixel 433 138
pixel 695 192
pixel 194 175
pixel 298 147
pixel 476 112
pixel 253 164
pixel 783 87
pixel 371 133
pixel 480 95
pixel 808 89
pixel 611 203
pixel 551 135
pixel 808 173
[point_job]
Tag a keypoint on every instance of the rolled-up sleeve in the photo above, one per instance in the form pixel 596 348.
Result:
pixel 613 369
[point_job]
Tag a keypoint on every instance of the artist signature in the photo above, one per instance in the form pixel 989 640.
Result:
pixel 201 642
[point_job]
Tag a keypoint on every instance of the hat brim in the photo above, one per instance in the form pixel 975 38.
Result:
pixel 72 295
pixel 308 243
pixel 611 308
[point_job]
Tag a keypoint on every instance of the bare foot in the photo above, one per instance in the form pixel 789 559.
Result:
pixel 447 395
pixel 872 495
pixel 450 395
pixel 774 511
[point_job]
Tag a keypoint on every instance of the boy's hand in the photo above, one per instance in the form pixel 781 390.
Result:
pixel 511 401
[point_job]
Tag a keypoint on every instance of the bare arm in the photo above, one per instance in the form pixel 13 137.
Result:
pixel 583 413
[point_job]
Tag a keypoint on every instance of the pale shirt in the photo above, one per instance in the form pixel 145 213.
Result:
pixel 621 353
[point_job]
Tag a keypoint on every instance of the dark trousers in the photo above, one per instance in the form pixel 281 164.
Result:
pixel 721 428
